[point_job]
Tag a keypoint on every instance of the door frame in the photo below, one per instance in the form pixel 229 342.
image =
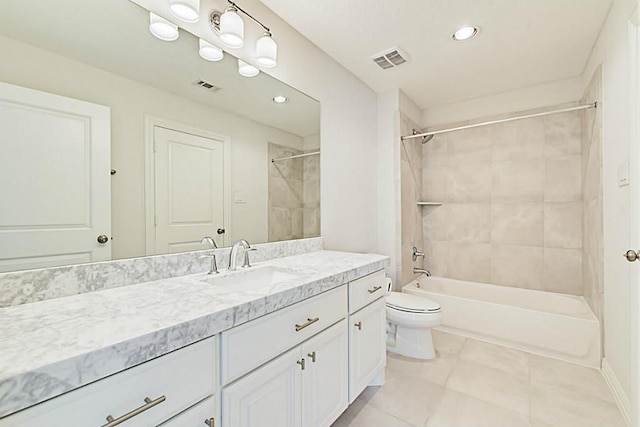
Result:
pixel 150 122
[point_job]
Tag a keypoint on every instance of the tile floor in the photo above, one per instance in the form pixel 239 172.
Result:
pixel 477 384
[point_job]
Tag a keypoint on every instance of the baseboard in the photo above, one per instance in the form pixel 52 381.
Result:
pixel 616 388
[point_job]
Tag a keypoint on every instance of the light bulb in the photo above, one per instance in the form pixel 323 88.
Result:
pixel 247 70
pixel 232 28
pixel 209 52
pixel 162 29
pixel 465 33
pixel 266 51
pixel 186 10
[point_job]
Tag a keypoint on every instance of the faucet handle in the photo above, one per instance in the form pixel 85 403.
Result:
pixel 416 253
pixel 214 263
pixel 246 263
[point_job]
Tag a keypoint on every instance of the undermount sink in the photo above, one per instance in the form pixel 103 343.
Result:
pixel 251 279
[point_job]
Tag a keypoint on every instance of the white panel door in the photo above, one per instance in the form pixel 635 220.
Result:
pixel 267 397
pixel 367 346
pixel 189 187
pixel 54 180
pixel 325 380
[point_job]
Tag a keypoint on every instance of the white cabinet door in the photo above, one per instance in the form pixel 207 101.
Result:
pixel 267 397
pixel 367 355
pixel 325 378
pixel 54 180
pixel 189 185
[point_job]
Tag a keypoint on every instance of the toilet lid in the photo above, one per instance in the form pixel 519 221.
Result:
pixel 411 303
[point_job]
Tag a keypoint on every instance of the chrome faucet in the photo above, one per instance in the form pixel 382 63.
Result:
pixel 234 253
pixel 214 263
pixel 417 270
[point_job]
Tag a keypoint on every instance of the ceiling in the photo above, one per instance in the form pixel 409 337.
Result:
pixel 521 43
pixel 114 35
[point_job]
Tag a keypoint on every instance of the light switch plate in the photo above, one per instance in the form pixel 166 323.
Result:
pixel 623 174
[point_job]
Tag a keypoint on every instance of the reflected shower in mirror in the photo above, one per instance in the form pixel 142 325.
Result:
pixel 189 142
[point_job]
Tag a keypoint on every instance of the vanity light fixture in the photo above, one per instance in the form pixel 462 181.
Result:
pixel 280 99
pixel 162 29
pixel 232 27
pixel 247 70
pixel 266 51
pixel 209 52
pixel 185 10
pixel 465 33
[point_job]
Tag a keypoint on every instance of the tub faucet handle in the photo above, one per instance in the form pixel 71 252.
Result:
pixel 415 254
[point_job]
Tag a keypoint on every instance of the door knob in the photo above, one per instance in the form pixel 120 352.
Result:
pixel 102 239
pixel 632 255
pixel 221 231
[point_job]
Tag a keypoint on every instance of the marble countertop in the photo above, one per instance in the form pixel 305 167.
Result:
pixel 54 346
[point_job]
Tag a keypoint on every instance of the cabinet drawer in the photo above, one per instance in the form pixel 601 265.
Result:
pixel 183 378
pixel 248 346
pixel 195 416
pixel 366 289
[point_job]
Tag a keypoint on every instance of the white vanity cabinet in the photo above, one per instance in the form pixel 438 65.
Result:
pixel 145 395
pixel 367 341
pixel 307 385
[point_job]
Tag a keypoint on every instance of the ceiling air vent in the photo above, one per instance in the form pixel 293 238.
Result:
pixel 390 58
pixel 209 86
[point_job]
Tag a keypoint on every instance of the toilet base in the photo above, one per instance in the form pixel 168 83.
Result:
pixel 416 343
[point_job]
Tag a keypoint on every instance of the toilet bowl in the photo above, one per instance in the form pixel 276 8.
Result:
pixel 410 319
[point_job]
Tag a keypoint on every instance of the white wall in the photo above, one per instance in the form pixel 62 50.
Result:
pixel 23 65
pixel 613 52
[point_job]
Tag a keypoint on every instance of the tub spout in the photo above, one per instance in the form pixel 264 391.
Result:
pixel 417 270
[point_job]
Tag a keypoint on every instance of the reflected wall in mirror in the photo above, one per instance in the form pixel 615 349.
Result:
pixel 188 160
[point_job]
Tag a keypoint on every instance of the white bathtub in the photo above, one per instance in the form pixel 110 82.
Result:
pixel 550 324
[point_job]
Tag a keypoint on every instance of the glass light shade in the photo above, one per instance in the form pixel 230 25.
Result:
pixel 186 10
pixel 465 33
pixel 162 29
pixel 247 70
pixel 266 51
pixel 232 28
pixel 210 52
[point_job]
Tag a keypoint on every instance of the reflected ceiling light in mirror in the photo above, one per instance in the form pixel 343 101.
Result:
pixel 266 51
pixel 209 52
pixel 185 10
pixel 280 99
pixel 247 70
pixel 232 28
pixel 162 29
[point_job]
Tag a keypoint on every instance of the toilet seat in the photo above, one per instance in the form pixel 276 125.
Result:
pixel 411 304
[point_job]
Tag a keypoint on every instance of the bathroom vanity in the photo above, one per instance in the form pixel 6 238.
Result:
pixel 289 342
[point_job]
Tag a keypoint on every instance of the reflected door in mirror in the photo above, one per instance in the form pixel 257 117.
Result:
pixel 54 180
pixel 189 188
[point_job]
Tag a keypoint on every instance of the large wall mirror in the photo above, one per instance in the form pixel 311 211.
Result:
pixel 133 146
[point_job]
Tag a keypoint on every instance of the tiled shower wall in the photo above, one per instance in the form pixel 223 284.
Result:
pixel 294 195
pixel 411 193
pixel 511 210
pixel 592 222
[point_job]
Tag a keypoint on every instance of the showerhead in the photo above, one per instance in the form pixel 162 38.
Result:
pixel 425 139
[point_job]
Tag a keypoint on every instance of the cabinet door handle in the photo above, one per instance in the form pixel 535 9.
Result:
pixel 312 355
pixel 375 289
pixel 309 321
pixel 210 422
pixel 301 363
pixel 358 325
pixel 148 404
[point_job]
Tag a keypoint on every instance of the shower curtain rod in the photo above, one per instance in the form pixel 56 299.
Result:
pixel 493 122
pixel 295 157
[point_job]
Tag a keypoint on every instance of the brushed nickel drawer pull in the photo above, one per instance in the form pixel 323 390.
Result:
pixel 148 404
pixel 309 321
pixel 210 422
pixel 375 289
pixel 358 325
pixel 301 362
pixel 312 355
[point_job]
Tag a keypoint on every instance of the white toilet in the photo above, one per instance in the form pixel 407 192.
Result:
pixel 411 318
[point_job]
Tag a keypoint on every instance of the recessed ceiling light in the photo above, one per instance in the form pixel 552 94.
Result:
pixel 465 33
pixel 280 99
